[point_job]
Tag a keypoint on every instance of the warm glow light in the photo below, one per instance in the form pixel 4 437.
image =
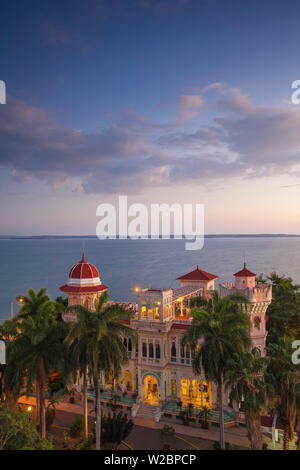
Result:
pixel 29 408
pixel 137 289
pixel 179 300
pixel 20 300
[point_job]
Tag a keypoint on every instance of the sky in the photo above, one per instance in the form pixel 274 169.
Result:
pixel 165 101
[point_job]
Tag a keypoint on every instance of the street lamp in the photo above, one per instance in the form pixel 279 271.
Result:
pixel 19 301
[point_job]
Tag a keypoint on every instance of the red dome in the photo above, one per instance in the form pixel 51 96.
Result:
pixel 83 270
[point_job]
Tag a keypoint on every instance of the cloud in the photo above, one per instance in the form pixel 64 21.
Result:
pixel 241 140
pixel 234 101
pixel 33 144
pixel 20 176
pixel 189 106
pixel 190 101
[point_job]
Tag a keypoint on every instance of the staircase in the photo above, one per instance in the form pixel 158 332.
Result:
pixel 146 414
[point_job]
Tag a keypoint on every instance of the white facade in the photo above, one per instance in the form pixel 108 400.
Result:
pixel 159 369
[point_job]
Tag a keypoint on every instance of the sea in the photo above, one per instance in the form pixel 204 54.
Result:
pixel 126 264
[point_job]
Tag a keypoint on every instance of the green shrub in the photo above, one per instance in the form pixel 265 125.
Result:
pixel 186 414
pixel 18 432
pixel 217 446
pixel 83 445
pixel 115 428
pixel 76 428
pixel 167 435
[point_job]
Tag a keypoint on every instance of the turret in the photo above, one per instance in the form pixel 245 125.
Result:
pixel 84 285
pixel 244 279
pixel 259 297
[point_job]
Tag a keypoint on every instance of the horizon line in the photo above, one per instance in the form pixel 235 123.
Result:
pixel 210 235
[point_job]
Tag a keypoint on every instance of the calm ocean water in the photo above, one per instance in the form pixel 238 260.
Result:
pixel 124 264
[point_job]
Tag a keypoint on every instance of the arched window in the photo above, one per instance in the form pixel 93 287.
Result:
pixel 144 311
pixel 125 342
pixel 129 345
pixel 157 351
pixel 144 350
pixel 187 352
pixel 173 350
pixel 257 323
pixel 151 350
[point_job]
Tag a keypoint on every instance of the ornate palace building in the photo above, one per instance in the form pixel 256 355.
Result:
pixel 159 374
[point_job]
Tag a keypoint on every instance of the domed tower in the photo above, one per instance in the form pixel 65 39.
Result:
pixel 244 278
pixel 84 286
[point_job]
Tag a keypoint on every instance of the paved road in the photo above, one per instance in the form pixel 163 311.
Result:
pixel 140 438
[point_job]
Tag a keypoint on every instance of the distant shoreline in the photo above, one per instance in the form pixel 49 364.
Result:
pixel 225 235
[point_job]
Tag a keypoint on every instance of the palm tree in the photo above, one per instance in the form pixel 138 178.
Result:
pixel 245 376
pixel 34 303
pixel 97 339
pixel 31 357
pixel 285 378
pixel 222 330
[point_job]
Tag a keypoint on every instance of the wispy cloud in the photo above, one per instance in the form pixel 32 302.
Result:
pixel 242 140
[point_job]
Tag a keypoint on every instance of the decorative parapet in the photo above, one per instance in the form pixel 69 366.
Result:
pixel 259 293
